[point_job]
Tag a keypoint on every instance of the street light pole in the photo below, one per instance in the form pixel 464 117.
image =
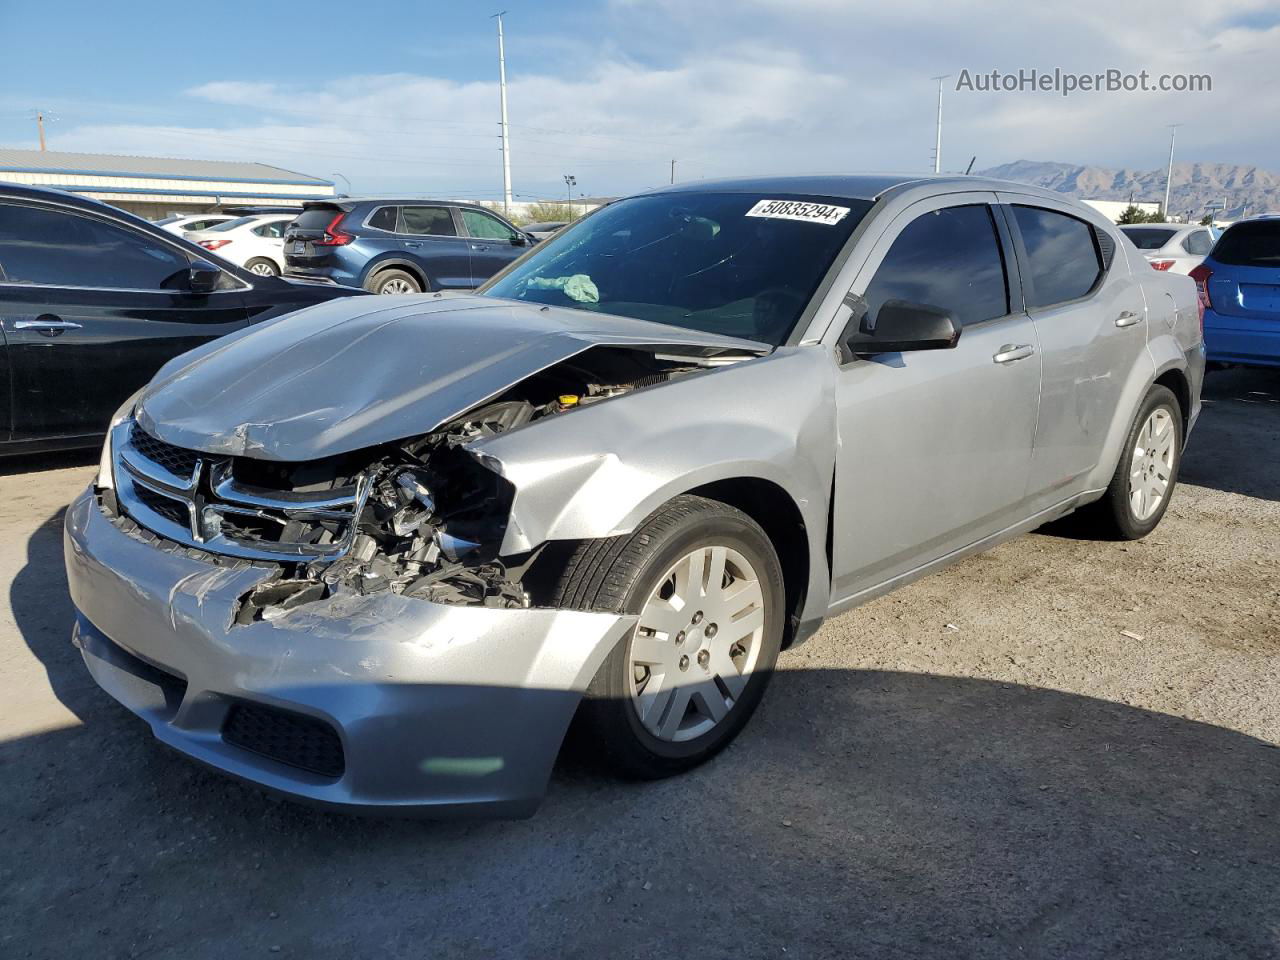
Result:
pixel 345 180
pixel 937 137
pixel 1168 180
pixel 506 147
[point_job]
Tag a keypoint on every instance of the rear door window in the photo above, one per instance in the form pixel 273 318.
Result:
pixel 485 226
pixel 57 248
pixel 1064 260
pixel 1253 243
pixel 384 218
pixel 948 258
pixel 427 221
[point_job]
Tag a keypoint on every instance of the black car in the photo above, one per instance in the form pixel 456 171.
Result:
pixel 400 246
pixel 93 301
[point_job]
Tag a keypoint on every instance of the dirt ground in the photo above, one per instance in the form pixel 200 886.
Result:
pixel 1062 748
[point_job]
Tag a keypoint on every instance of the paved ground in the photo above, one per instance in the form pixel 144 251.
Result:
pixel 1034 783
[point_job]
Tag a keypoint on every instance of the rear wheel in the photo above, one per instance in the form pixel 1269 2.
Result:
pixel 1143 483
pixel 262 267
pixel 707 587
pixel 393 282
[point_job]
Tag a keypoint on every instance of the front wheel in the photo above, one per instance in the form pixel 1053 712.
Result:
pixel 706 586
pixel 1143 483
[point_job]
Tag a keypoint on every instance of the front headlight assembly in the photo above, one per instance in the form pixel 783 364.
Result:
pixel 106 479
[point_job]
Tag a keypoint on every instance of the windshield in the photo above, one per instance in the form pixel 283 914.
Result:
pixel 742 265
pixel 232 224
pixel 1148 238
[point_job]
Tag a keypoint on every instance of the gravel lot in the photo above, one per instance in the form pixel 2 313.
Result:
pixel 1083 764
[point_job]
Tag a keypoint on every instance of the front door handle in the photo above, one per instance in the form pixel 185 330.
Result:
pixel 46 325
pixel 1011 352
pixel 1127 319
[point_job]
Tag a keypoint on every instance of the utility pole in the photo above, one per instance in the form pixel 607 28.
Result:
pixel 569 182
pixel 673 171
pixel 506 146
pixel 937 138
pixel 40 127
pixel 1168 180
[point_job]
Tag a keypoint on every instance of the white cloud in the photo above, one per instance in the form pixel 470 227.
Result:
pixel 760 86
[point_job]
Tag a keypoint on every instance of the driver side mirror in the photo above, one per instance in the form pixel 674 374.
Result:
pixel 203 277
pixel 902 326
pixel 521 239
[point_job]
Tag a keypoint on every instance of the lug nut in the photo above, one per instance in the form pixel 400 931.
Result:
pixel 711 630
pixel 680 637
pixel 697 617
pixel 704 658
pixel 684 663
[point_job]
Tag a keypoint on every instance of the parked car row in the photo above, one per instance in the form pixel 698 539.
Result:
pixel 381 245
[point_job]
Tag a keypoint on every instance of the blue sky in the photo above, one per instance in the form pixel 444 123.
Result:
pixel 403 97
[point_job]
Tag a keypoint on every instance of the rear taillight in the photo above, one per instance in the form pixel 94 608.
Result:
pixel 333 237
pixel 1160 264
pixel 1201 274
pixel 214 244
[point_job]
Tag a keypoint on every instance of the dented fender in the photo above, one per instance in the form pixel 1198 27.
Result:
pixel 770 418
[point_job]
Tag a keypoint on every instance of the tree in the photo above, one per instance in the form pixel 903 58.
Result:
pixel 1134 214
pixel 1206 220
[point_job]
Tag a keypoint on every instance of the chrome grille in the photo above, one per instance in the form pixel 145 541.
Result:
pixel 193 498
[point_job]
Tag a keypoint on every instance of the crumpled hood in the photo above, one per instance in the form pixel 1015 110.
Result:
pixel 357 372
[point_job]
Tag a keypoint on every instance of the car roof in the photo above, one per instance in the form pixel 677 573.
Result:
pixel 873 186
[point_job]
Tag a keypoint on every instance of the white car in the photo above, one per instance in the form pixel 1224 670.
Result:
pixel 255 242
pixel 187 223
pixel 1170 246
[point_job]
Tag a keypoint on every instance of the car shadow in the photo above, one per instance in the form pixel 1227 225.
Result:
pixel 56 460
pixel 862 813
pixel 1236 444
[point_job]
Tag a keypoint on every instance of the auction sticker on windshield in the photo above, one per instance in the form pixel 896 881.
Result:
pixel 798 210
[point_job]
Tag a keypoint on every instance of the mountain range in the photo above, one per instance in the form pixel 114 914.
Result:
pixel 1197 187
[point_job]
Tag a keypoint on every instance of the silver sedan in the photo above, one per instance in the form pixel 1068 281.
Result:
pixel 378 555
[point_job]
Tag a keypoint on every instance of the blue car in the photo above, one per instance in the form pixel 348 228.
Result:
pixel 400 246
pixel 1239 284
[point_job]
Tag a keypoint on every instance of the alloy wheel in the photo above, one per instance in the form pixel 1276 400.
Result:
pixel 696 644
pixel 396 285
pixel 1151 464
pixel 262 270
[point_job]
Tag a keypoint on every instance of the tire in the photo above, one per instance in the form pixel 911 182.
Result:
pixel 393 282
pixel 1117 515
pixel 262 267
pixel 633 574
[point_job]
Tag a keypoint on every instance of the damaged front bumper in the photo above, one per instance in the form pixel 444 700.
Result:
pixel 366 703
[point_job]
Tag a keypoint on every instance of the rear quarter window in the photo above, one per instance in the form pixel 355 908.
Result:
pixel 384 218
pixel 1250 244
pixel 1064 262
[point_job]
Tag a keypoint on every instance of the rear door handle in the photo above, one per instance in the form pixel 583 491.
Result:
pixel 1011 352
pixel 413 243
pixel 1127 319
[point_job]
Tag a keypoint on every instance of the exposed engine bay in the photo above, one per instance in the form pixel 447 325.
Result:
pixel 422 517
